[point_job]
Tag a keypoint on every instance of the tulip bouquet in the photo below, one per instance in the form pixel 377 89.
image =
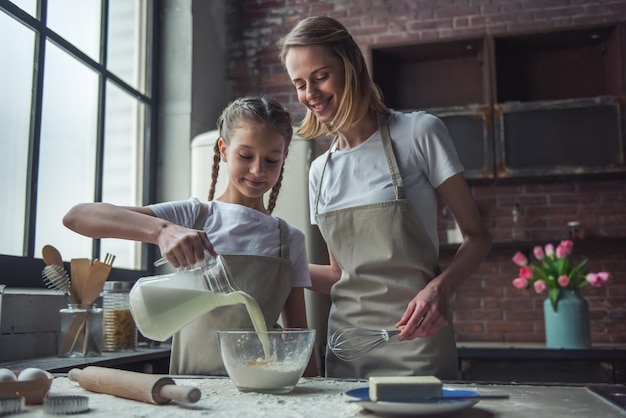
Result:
pixel 555 271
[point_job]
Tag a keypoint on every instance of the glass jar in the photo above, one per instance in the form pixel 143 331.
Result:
pixel 81 331
pixel 119 329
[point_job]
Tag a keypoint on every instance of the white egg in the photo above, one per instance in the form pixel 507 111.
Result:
pixel 7 375
pixel 32 373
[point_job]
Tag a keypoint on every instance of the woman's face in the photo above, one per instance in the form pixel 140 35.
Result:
pixel 318 76
pixel 254 157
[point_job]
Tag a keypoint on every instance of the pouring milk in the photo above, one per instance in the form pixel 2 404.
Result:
pixel 162 305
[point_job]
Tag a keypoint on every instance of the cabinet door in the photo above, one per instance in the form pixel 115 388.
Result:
pixel 560 137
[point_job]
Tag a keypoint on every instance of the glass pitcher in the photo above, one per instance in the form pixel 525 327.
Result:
pixel 163 304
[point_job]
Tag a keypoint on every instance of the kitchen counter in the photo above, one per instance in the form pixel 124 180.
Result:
pixel 323 398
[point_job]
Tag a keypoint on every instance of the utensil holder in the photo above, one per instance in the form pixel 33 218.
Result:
pixel 81 331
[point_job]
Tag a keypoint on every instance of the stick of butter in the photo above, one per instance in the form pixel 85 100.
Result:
pixel 403 388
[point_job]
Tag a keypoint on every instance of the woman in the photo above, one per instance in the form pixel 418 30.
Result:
pixel 374 198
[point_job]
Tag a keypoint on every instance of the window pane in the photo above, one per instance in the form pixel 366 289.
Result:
pixel 16 75
pixel 78 21
pixel 68 150
pixel 122 174
pixel 29 6
pixel 126 54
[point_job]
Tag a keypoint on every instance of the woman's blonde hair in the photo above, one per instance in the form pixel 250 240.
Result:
pixel 259 109
pixel 360 97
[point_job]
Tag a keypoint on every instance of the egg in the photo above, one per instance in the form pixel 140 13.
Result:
pixel 32 373
pixel 7 375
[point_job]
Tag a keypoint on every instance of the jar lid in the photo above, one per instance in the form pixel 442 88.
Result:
pixel 116 286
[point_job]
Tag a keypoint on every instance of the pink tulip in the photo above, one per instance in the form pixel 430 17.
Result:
pixel 605 277
pixel 563 280
pixel 520 283
pixel 539 254
pixel 567 246
pixel 526 272
pixel 549 250
pixel 594 279
pixel 539 286
pixel 520 259
pixel 561 252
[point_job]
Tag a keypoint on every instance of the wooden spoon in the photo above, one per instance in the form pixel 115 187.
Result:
pixel 51 256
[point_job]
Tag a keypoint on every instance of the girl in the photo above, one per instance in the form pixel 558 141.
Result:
pixel 374 197
pixel 266 257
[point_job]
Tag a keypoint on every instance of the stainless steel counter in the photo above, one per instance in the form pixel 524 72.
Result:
pixel 318 397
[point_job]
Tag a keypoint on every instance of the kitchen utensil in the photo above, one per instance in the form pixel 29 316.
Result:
pixel 351 343
pixel 149 388
pixel 65 404
pixel 98 274
pixel 79 272
pixel 273 366
pixel 55 277
pixel 214 272
pixel 163 304
pixel 51 256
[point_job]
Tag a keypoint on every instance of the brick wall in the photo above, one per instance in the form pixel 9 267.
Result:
pixel 487 307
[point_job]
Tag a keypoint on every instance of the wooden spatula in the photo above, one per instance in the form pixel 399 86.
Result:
pixel 98 274
pixel 79 273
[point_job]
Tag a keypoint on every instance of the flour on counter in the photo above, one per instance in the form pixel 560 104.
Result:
pixel 220 398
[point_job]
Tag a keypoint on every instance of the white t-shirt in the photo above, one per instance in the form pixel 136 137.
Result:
pixel 360 175
pixel 237 229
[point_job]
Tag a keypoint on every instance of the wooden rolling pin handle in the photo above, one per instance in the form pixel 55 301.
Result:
pixel 143 387
pixel 180 393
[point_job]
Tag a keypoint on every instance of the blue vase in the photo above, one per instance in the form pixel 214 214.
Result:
pixel 568 325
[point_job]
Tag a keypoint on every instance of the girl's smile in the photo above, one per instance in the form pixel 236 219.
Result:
pixel 254 157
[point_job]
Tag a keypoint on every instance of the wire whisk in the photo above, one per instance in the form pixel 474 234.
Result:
pixel 352 343
pixel 55 277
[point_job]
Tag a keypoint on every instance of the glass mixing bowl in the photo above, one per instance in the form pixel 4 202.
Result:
pixel 277 370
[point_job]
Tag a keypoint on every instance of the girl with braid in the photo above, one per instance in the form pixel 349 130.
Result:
pixel 266 256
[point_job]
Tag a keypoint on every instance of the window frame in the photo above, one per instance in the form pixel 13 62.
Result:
pixel 25 271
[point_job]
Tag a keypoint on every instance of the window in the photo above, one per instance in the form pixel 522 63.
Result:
pixel 77 117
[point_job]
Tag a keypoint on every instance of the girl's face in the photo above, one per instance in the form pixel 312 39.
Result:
pixel 254 158
pixel 318 76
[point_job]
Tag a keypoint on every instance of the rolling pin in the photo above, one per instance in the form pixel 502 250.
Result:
pixel 149 388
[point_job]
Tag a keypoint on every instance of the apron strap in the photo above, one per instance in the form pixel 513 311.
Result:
pixel 319 183
pixel 396 178
pixel 201 219
pixel 284 238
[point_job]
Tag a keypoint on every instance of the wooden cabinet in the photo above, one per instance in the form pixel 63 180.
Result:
pixel 519 105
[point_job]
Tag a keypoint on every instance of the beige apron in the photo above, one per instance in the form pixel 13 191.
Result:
pixel 386 258
pixel 267 279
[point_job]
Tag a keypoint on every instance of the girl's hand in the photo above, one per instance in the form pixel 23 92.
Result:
pixel 426 314
pixel 183 247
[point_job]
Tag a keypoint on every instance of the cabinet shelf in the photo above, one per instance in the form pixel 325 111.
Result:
pixel 524 105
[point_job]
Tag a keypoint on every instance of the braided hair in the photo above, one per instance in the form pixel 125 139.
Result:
pixel 260 109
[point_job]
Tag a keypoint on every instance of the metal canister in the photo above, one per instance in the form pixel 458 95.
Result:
pixel 118 327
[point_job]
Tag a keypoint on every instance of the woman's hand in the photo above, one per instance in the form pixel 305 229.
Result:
pixel 426 314
pixel 183 247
